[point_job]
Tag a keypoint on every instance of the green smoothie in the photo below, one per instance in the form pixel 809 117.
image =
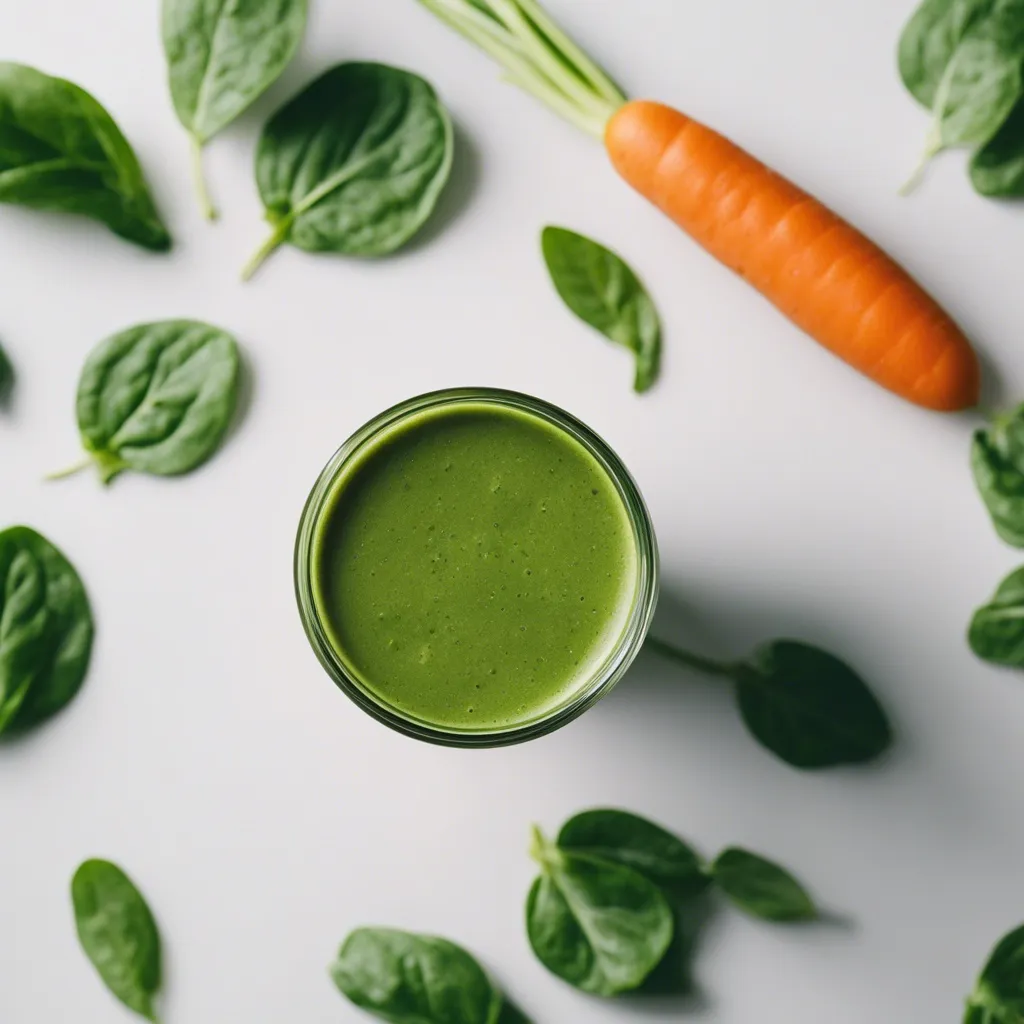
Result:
pixel 474 566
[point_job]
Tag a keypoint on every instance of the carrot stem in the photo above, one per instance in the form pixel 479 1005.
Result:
pixel 553 99
pixel 472 22
pixel 587 67
pixel 538 56
pixel 551 64
pixel 496 42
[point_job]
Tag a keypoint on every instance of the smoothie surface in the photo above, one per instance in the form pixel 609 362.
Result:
pixel 474 566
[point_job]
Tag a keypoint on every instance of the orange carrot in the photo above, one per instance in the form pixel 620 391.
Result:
pixel 818 270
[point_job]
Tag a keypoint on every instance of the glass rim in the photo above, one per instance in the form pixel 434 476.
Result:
pixel 605 677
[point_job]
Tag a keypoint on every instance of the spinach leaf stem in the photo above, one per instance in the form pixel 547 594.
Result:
pixel 63 474
pixel 538 845
pixel 276 239
pixel 697 662
pixel 199 177
pixel 933 147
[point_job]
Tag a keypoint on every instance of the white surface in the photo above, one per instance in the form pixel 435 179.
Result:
pixel 262 814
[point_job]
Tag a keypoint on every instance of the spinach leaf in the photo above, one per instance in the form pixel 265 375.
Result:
pixel 6 376
pixel 354 164
pixel 118 934
pixel 965 59
pixel 998 997
pixel 930 41
pixel 762 888
pixel 157 398
pixel 805 705
pixel 601 289
pixel 60 150
pixel 46 630
pixel 1007 432
pixel 997 460
pixel 600 926
pixel 997 169
pixel 596 916
pixel 997 631
pixel 636 843
pixel 415 979
pixel 810 708
pixel 222 55
pixel 980 1015
pixel 981 87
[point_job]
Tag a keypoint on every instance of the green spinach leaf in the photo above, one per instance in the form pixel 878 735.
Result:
pixel 930 41
pixel 981 87
pixel 965 60
pixel 601 289
pixel 997 631
pixel 998 997
pixel 415 979
pixel 60 150
pixel 46 630
pixel 118 934
pixel 997 169
pixel 596 916
pixel 157 398
pixel 354 164
pixel 809 708
pixel 762 888
pixel 221 56
pixel 598 925
pixel 636 843
pixel 6 377
pixel 805 705
pixel 997 460
pixel 980 1015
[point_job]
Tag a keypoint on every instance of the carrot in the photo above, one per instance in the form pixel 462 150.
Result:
pixel 812 265
pixel 822 273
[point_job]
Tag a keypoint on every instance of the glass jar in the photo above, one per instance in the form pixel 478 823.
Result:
pixel 605 676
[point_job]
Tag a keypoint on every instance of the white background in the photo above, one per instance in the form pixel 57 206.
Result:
pixel 260 812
